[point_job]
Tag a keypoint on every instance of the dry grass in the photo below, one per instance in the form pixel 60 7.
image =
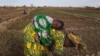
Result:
pixel 11 40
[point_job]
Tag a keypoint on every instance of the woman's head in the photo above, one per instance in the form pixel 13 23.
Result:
pixel 57 24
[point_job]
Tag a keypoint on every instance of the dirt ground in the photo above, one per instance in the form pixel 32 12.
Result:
pixel 83 25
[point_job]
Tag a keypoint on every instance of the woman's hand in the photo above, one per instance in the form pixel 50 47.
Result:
pixel 36 38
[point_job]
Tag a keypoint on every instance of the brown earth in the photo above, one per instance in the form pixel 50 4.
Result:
pixel 88 28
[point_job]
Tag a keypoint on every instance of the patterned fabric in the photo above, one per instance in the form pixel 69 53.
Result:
pixel 33 48
pixel 58 38
pixel 43 26
pixel 77 41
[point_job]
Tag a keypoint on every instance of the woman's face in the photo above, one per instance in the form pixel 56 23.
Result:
pixel 56 24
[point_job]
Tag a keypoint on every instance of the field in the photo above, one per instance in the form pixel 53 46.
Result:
pixel 83 22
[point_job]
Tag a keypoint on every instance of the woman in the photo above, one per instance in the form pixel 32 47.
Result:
pixel 41 34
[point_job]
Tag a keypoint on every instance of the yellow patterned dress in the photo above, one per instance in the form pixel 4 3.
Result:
pixel 58 37
pixel 32 48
